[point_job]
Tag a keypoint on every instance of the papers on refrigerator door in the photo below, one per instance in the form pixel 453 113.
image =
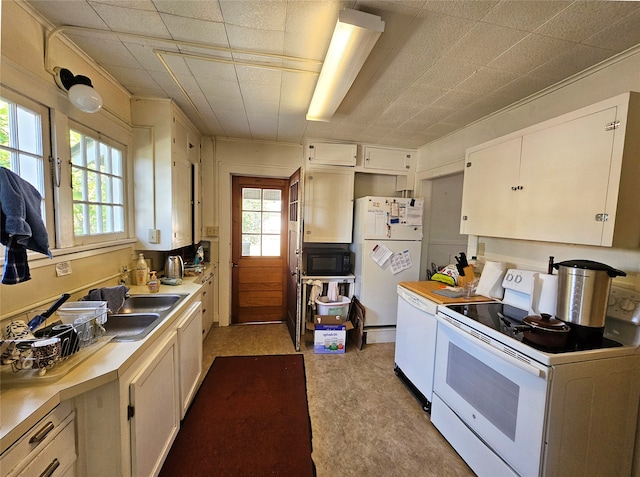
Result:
pixel 400 261
pixel 384 257
pixel 381 254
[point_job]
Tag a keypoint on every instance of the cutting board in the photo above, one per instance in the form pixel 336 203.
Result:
pixel 427 288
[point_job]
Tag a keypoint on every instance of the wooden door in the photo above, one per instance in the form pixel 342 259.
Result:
pixel 258 249
pixel 294 266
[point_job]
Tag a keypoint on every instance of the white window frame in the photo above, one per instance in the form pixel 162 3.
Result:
pixel 44 184
pixel 110 236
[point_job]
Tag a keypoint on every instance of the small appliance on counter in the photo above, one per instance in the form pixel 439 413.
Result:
pixel 174 267
pixel 583 294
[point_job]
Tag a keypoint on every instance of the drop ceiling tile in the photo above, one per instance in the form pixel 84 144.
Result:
pixel 528 54
pixel 262 108
pixel 429 116
pixel 167 83
pixel 176 63
pixel 472 9
pixel 527 15
pixel 263 126
pixel 486 80
pixel 405 67
pixel 260 15
pixel 134 4
pixel 258 76
pixel 619 36
pixel 291 129
pixel 571 61
pixel 446 73
pixel 301 45
pixel 232 120
pixel 484 42
pixel 433 34
pixel 524 86
pixel 191 29
pixel 258 92
pixel 133 77
pixel 258 41
pixel 131 20
pixel 584 19
pixel 191 9
pixel 105 51
pixel 297 89
pixel 455 100
pixel 221 90
pixel 211 70
pixel 312 18
pixel 145 56
pixel 397 17
pixel 69 12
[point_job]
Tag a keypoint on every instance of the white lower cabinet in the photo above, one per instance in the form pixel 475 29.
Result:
pixel 190 355
pixel 47 449
pixel 153 407
pixel 207 303
pixel 126 427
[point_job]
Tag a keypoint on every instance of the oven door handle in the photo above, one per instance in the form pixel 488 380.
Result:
pixel 445 320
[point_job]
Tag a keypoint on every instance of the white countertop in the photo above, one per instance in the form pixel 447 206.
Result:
pixel 23 405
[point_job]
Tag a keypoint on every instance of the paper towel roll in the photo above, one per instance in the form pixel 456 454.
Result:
pixel 545 293
pixel 490 283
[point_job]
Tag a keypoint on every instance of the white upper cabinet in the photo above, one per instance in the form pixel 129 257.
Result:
pixel 332 154
pixel 166 157
pixel 572 179
pixel 328 215
pixel 489 204
pixel 385 159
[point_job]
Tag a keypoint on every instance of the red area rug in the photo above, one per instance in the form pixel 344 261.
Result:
pixel 249 418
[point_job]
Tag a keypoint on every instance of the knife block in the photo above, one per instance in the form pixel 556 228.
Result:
pixel 468 277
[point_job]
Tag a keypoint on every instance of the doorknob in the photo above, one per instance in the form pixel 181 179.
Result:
pixel 234 265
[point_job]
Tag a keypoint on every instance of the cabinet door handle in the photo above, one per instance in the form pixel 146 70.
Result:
pixel 42 433
pixel 51 468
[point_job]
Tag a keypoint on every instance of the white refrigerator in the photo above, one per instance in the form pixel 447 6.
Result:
pixel 387 240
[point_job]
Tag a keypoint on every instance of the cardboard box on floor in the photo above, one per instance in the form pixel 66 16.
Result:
pixel 329 334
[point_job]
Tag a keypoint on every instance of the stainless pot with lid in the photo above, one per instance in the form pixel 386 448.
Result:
pixel 583 291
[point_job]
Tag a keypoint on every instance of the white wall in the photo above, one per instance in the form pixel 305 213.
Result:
pixel 250 158
pixel 446 156
pixel 23 71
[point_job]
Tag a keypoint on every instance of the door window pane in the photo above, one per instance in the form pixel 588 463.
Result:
pixel 261 222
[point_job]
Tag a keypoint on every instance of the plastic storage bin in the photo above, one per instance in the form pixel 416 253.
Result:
pixel 326 307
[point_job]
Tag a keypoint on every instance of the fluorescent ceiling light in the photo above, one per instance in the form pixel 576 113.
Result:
pixel 353 39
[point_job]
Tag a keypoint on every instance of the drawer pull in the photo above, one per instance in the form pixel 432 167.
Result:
pixel 42 433
pixel 51 468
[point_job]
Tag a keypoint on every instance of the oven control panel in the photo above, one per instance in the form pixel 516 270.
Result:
pixel 624 305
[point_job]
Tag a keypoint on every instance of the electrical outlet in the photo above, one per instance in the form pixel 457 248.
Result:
pixel 154 236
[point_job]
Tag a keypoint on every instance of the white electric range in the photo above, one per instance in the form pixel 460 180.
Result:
pixel 509 408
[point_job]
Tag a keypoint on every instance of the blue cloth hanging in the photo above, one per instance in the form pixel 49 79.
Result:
pixel 21 226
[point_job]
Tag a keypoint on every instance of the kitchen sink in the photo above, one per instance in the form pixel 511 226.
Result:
pixel 131 326
pixel 139 315
pixel 150 303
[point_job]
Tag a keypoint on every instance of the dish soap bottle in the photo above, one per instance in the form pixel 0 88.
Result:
pixel 124 276
pixel 154 285
pixel 141 271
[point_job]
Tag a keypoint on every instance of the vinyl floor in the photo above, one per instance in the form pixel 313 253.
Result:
pixel 364 421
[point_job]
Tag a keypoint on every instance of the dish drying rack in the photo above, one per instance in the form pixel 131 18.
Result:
pixel 61 343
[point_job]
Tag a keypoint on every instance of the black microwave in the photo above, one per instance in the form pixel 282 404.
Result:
pixel 326 262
